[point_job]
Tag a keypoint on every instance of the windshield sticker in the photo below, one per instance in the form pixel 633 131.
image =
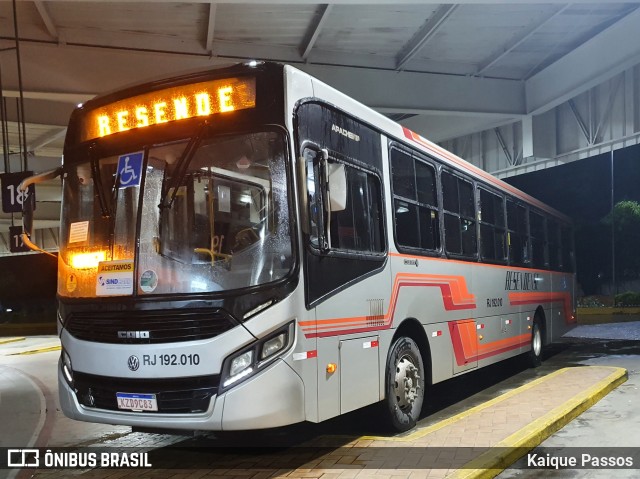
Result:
pixel 78 232
pixel 72 282
pixel 148 281
pixel 130 169
pixel 114 278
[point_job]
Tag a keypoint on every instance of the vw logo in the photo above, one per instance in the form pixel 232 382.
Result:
pixel 133 363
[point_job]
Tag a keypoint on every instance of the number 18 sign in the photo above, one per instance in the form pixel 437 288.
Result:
pixel 12 199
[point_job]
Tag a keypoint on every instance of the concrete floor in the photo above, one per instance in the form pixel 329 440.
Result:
pixel 28 382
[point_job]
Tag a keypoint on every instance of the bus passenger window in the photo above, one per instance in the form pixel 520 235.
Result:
pixel 459 215
pixel 492 232
pixel 415 202
pixel 538 240
pixel 517 234
pixel 553 233
pixel 359 226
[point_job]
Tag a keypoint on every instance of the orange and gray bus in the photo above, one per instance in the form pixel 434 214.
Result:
pixel 247 248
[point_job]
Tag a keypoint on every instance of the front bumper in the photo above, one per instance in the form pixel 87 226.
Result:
pixel 272 398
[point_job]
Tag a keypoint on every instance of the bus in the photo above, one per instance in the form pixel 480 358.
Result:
pixel 247 248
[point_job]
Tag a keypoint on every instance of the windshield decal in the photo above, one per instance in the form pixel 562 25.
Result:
pixel 130 169
pixel 78 231
pixel 115 278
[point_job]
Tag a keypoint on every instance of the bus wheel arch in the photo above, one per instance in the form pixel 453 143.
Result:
pixel 407 373
pixel 538 335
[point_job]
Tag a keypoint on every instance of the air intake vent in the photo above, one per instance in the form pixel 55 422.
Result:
pixel 148 327
pixel 174 395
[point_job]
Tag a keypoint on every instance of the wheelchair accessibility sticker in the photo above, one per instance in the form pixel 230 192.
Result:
pixel 130 169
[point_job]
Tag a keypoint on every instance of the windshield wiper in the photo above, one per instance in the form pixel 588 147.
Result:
pixel 181 167
pixel 97 183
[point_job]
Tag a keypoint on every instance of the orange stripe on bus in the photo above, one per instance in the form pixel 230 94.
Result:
pixel 535 297
pixel 502 343
pixel 467 349
pixel 455 296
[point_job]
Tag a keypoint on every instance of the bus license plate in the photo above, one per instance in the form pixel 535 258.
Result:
pixel 137 402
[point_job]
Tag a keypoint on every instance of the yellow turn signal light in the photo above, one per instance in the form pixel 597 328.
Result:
pixel 331 368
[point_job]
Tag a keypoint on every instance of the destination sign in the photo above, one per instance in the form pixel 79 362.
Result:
pixel 171 104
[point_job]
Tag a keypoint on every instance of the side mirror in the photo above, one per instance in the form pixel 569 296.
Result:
pixel 29 206
pixel 337 187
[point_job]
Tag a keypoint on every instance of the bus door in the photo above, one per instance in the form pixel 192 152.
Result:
pixel 346 279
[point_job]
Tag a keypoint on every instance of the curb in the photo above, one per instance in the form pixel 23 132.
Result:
pixel 36 351
pixel 509 450
pixel 11 340
pixel 412 436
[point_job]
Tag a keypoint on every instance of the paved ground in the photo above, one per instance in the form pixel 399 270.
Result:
pixel 613 421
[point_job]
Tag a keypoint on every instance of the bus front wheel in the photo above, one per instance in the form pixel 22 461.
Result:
pixel 405 382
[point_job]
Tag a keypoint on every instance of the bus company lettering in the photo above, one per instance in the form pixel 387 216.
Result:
pixel 349 134
pixel 519 281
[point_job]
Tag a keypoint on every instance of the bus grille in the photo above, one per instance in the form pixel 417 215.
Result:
pixel 148 327
pixel 174 395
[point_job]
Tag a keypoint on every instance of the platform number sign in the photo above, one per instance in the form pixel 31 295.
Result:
pixel 15 235
pixel 12 198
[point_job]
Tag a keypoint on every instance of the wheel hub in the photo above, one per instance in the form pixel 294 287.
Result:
pixel 407 383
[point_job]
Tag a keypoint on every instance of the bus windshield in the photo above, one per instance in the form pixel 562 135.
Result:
pixel 218 222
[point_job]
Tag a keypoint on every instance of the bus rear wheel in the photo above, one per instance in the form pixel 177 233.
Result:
pixel 535 355
pixel 404 383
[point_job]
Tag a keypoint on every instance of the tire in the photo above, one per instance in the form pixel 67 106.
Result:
pixel 404 384
pixel 534 357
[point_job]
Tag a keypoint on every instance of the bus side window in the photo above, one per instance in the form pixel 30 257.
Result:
pixel 459 216
pixel 492 227
pixel 538 240
pixel 359 226
pixel 568 259
pixel 415 207
pixel 555 252
pixel 517 238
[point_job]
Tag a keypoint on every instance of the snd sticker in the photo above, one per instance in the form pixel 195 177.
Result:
pixel 148 281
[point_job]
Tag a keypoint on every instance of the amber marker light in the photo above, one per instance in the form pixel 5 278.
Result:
pixel 331 368
pixel 87 260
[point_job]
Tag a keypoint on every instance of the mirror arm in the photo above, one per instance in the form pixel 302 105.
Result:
pixel 29 244
pixel 39 178
pixel 23 187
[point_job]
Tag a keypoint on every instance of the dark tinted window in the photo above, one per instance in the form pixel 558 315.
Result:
pixel 459 215
pixel 517 243
pixel 359 226
pixel 566 234
pixel 492 232
pixel 415 201
pixel 538 240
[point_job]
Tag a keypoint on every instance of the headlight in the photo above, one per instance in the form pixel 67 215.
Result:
pixel 243 364
pixel 67 368
pixel 273 345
